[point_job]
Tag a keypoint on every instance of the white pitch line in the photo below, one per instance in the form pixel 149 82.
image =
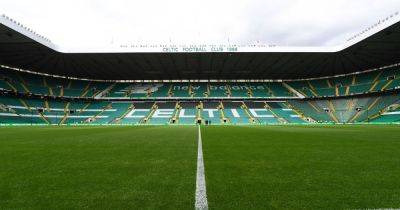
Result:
pixel 201 193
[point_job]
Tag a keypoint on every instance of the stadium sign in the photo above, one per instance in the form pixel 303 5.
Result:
pixel 208 113
pixel 220 87
pixel 201 48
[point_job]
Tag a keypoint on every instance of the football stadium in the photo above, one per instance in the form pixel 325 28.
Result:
pixel 200 126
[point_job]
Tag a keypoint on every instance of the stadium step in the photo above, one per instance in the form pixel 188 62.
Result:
pixel 129 91
pixel 332 111
pixel 147 119
pixel 329 83
pixel 61 91
pixel 374 84
pixel 86 90
pixel 66 108
pixel 85 107
pixel 353 80
pixel 50 91
pixel 377 77
pixel 170 92
pixel 386 85
pixel 301 114
pixel 294 91
pixel 44 81
pixel 44 118
pixel 25 104
pixel 3 108
pixel 373 103
pixel 270 92
pixel 249 91
pixel 355 116
pixel 228 90
pixel 279 118
pixel 350 105
pixel 94 118
pixel 313 106
pixel 62 121
pixel 11 86
pixel 46 105
pixel 69 84
pixel 207 94
pixel 127 111
pixel 385 110
pixel 175 116
pixel 312 89
pixel 376 115
pixel 331 106
pixel 104 92
pixel 22 82
pixel 190 91
pixel 47 86
pixel 222 114
pixel 252 119
pixel 347 90
pixel 198 112
pixel 336 90
pixel 66 114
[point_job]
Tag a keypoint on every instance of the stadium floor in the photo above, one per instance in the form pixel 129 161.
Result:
pixel 154 167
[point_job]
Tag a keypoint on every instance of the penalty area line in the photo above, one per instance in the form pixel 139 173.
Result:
pixel 201 193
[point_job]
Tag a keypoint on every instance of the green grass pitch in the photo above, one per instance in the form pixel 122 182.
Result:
pixel 336 167
pixel 97 168
pixel 154 167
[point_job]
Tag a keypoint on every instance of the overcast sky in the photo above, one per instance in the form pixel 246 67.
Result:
pixel 280 22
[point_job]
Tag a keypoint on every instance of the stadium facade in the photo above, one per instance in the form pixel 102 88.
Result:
pixel 357 82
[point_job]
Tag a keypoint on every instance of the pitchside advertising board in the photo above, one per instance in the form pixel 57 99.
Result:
pixel 205 113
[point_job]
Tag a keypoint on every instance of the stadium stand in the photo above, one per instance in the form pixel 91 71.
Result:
pixel 353 110
pixel 22 82
pixel 305 101
pixel 344 99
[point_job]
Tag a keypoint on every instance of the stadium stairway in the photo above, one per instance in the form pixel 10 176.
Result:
pixel 251 118
pixel 287 113
pixel 312 89
pixel 199 108
pixel 188 113
pixel 210 112
pixel 279 118
pixel 234 113
pixel 299 113
pixel 224 119
pixel 96 119
pixel 137 113
pixel 146 119
pixel 175 116
pixel 390 114
pixel 294 91
pixel 128 109
pixel 312 110
pixel 104 92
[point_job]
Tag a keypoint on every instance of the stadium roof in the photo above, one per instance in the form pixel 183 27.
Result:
pixel 377 46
